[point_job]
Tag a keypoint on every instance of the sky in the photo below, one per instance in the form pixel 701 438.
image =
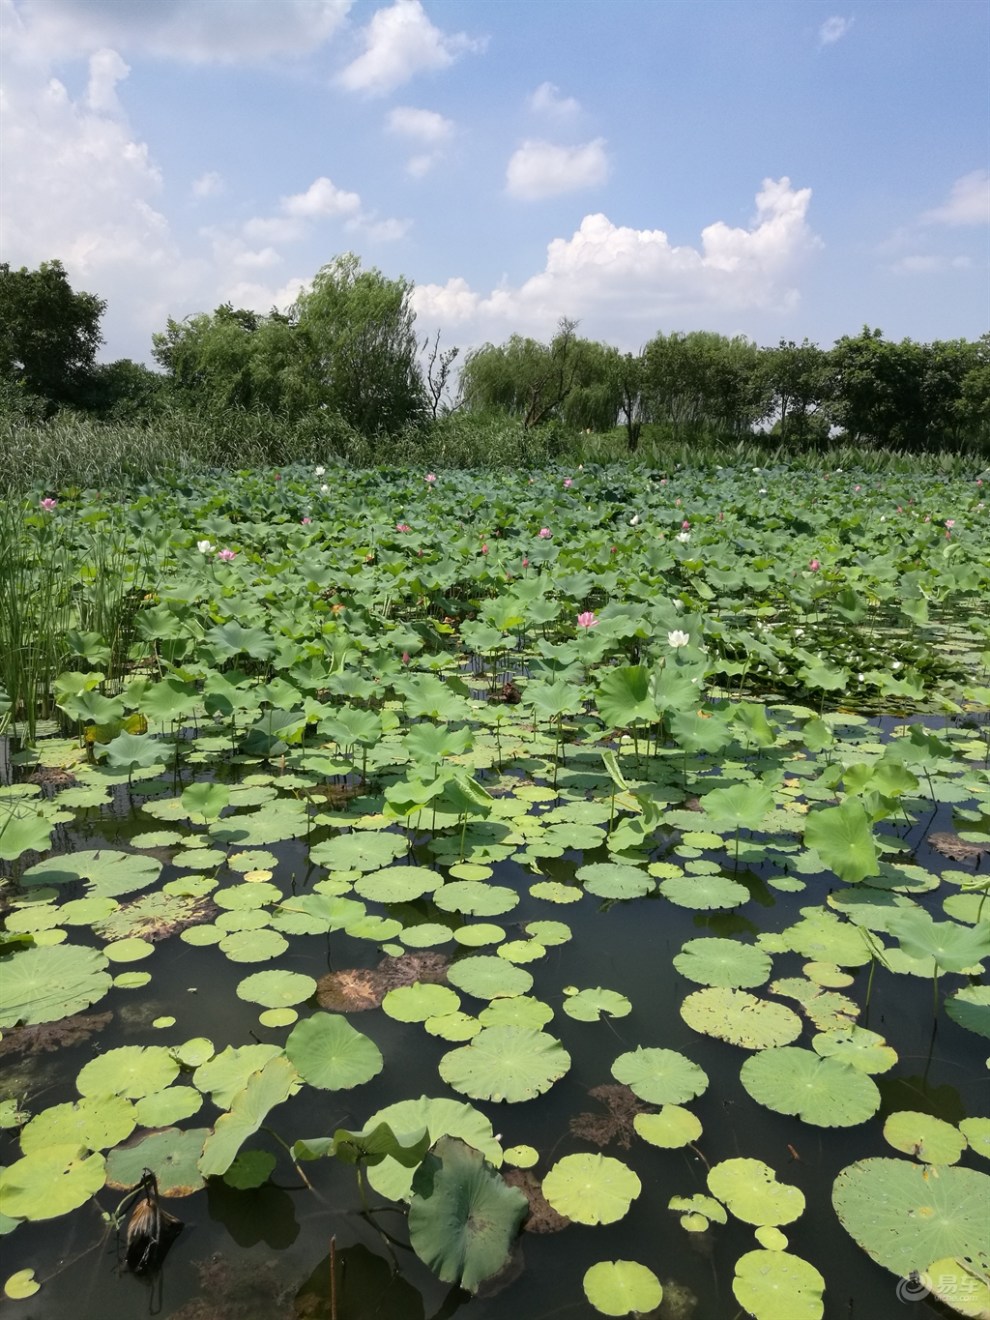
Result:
pixel 778 169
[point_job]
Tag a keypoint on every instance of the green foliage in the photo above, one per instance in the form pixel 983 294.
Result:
pixel 48 333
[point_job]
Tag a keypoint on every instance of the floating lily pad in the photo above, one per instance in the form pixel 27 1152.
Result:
pixel 518 1011
pixel 398 884
pixel 48 983
pixel 591 1005
pixel 454 1027
pixel 171 1155
pixel 660 1077
pixel 925 1137
pixel 740 1018
pixel 487 976
pixel 253 945
pixel 698 1211
pixel 164 1108
pixel 475 899
pixel 129 950
pixel 704 893
pixel 50 1182
pixel 977 1133
pixel 521 951
pixel 419 1001
pixel 861 1049
pixel 109 874
pixel 222 1076
pixel 477 934
pixel 277 989
pixel 674 1126
pixel 774 1285
pixel 553 891
pixel 505 1064
pixel 426 935
pixel 96 1123
pixel 750 1190
pixel 20 1285
pixel 906 1215
pixel 251 1168
pixel 591 1189
pixel 332 1055
pixel 615 880
pixel 622 1287
pixel 359 851
pixel 723 963
pixel 970 1007
pixel 826 1092
pixel 129 1070
pixel 521 1157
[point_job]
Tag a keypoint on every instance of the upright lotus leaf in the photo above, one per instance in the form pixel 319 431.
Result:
pixel 625 697
pixel 660 1077
pixel 774 1285
pixel 205 802
pixel 223 1075
pixel 50 1182
pixel 426 695
pixel 752 1193
pixel 907 1215
pixel 408 1119
pixel 505 1063
pixel 135 751
pixel 843 838
pixel 276 1081
pixel 591 1189
pixel 370 1146
pixel 622 1287
pixel 47 983
pixel 171 1155
pixel 429 744
pixel 331 1054
pixel 970 1008
pixel 463 1218
pixel 825 1092
pixel 234 639
pixel 954 948
pixel 24 831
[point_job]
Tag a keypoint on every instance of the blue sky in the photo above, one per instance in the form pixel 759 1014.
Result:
pixel 773 168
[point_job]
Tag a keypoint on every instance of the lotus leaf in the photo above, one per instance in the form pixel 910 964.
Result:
pixel 270 1086
pixel 721 962
pixel 906 1215
pixel 426 935
pixel 954 948
pixel 50 1182
pixel 419 1001
pixel 660 1077
pixel 505 1063
pixel 518 1011
pixel 164 1108
pixel 552 891
pixel 486 976
pixel 750 1190
pixel 45 984
pixel 704 893
pixel 130 1070
pixel 740 1018
pixel 962 1285
pixel 590 1005
pixel 521 1157
pixel 475 898
pixel 977 1133
pixel 825 1092
pixel 591 1189
pixel 109 874
pixel 774 1285
pixel 95 1122
pixel 359 851
pixel 698 1207
pixel 332 1055
pixel 454 1027
pixel 970 1007
pixel 843 838
pixel 253 945
pixel 462 1215
pixel 925 1137
pixel 615 880
pixel 128 950
pixel 277 989
pixel 856 1046
pixel 674 1126
pixel 223 1075
pixel 439 1116
pixel 398 884
pixel 21 1284
pixel 251 1168
pixel 622 1287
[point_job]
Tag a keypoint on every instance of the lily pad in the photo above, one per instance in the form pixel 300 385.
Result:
pixel 970 1007
pixel 20 1285
pixel 332 1055
pixel 660 1077
pixel 265 1089
pixel 750 1190
pixel 129 1070
pixel 906 1215
pixel 704 893
pixel 925 1137
pixel 591 1005
pixel 622 1287
pixel 96 1122
pixel 419 1001
pixel 171 1155
pixel 475 898
pixel 109 874
pixel 277 989
pixel 740 1018
pixel 505 1064
pixel 398 884
pixel 164 1108
pixel 486 976
pixel 673 1127
pixel 50 1182
pixel 825 1092
pixel 861 1049
pixel 48 983
pixel 723 963
pixel 222 1076
pixel 591 1189
pixel 440 1117
pixel 774 1285
pixel 615 880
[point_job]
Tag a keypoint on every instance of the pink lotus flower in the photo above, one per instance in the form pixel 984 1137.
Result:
pixel 49 504
pixel 950 522
pixel 589 619
pixel 525 563
pixel 686 525
pixel 544 533
pixel 305 521
pixel 405 657
pixel 430 477
pixel 814 565
pixel 568 483
pixel 402 527
pixel 484 549
pixel 226 555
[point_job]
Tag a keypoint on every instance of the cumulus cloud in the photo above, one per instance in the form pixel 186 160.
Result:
pixel 930 264
pixel 542 169
pixel 222 31
pixel 322 199
pixel 424 127
pixel 833 30
pixel 547 100
pixel 399 43
pixel 106 70
pixel 210 184
pixel 968 202
pixel 622 283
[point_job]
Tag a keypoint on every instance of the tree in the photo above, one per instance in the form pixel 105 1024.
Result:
pixel 701 382
pixel 797 379
pixel 49 334
pixel 359 350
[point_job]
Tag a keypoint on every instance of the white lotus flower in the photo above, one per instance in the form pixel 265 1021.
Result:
pixel 677 638
pixel 204 547
pixel 683 536
pixel 318 472
pixel 324 489
pixel 634 520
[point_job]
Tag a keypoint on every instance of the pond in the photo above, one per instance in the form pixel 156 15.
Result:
pixel 652 985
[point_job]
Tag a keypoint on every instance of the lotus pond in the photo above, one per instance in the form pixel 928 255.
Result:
pixel 534 895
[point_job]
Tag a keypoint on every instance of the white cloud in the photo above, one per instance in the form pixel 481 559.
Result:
pixel 322 199
pixel 968 202
pixel 197 31
pixel 210 184
pixel 621 283
pixel 106 70
pixel 547 100
pixel 833 30
pixel 922 264
pixel 543 169
pixel 399 43
pixel 425 126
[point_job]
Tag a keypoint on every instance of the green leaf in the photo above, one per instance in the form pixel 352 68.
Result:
pixel 743 806
pixel 171 1155
pixel 843 838
pixel 50 1182
pixel 924 1137
pixel 774 1285
pixel 47 983
pixel 721 962
pixel 332 1055
pixel 505 1064
pixel 276 1081
pixel 740 1018
pixel 462 1217
pixel 408 1119
pixel 128 1070
pixel 750 1190
pixel 825 1092
pixel 591 1189
pixel 622 1287
pixel 660 1077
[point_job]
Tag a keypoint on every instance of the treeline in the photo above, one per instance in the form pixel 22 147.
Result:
pixel 344 367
